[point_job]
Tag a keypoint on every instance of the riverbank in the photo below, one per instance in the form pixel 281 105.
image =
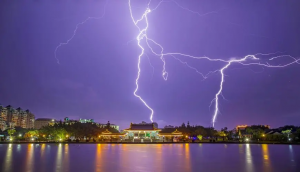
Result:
pixel 283 143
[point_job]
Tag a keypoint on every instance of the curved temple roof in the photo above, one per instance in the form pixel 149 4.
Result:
pixel 143 127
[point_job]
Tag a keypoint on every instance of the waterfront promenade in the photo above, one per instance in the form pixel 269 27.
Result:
pixel 124 142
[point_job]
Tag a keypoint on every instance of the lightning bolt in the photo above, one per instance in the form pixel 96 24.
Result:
pixel 75 31
pixel 142 35
pixel 243 61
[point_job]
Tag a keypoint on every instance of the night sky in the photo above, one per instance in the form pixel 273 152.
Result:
pixel 97 70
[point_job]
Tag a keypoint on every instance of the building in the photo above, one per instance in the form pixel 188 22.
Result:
pixel 243 127
pixel 41 122
pixel 110 136
pixel 3 118
pixel 16 117
pixel 154 123
pixel 142 132
pixel 69 121
pixel 86 120
pixel 30 119
pixel 170 136
pixel 241 131
pixel 3 125
pixel 109 125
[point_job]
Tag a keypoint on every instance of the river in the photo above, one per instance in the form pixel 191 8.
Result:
pixel 149 158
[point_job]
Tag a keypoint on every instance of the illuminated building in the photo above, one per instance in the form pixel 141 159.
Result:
pixel 107 135
pixel 41 122
pixel 241 127
pixel 170 136
pixel 154 123
pixel 242 131
pixel 86 120
pixel 69 121
pixel 30 119
pixel 148 132
pixel 142 132
pixel 3 125
pixel 16 117
pixel 109 125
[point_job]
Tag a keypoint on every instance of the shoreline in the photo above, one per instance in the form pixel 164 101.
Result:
pixel 257 143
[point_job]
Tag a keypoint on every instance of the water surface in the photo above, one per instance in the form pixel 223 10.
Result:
pixel 149 158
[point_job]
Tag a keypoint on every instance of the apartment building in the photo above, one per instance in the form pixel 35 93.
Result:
pixel 16 117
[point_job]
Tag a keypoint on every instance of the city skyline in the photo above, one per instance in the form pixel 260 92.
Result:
pixel 97 70
pixel 8 113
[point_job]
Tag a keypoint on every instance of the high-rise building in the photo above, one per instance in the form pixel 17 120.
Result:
pixel 3 118
pixel 30 119
pixel 16 117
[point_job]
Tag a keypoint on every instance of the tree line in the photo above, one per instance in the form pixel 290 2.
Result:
pixel 61 131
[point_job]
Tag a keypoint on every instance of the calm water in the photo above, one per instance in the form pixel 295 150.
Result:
pixel 158 158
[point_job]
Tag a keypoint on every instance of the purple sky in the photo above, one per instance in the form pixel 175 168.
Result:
pixel 97 70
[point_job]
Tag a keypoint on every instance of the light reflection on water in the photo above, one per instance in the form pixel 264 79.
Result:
pixel 187 158
pixel 58 163
pixel 98 160
pixel 29 157
pixel 266 161
pixel 148 158
pixel 249 163
pixel 8 158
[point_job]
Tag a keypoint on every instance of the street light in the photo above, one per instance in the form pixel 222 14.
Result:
pixel 67 135
pixel 263 135
pixel 20 135
pixel 247 139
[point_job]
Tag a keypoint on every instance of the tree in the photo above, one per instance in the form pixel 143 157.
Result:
pixel 211 132
pixel 11 132
pixel 59 133
pixel 32 133
pixel 249 130
pixel 199 137
pixel 222 134
pixel 76 129
pixel 224 129
pixel 298 132
pixel 200 131
pixel 258 133
pixel 287 133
